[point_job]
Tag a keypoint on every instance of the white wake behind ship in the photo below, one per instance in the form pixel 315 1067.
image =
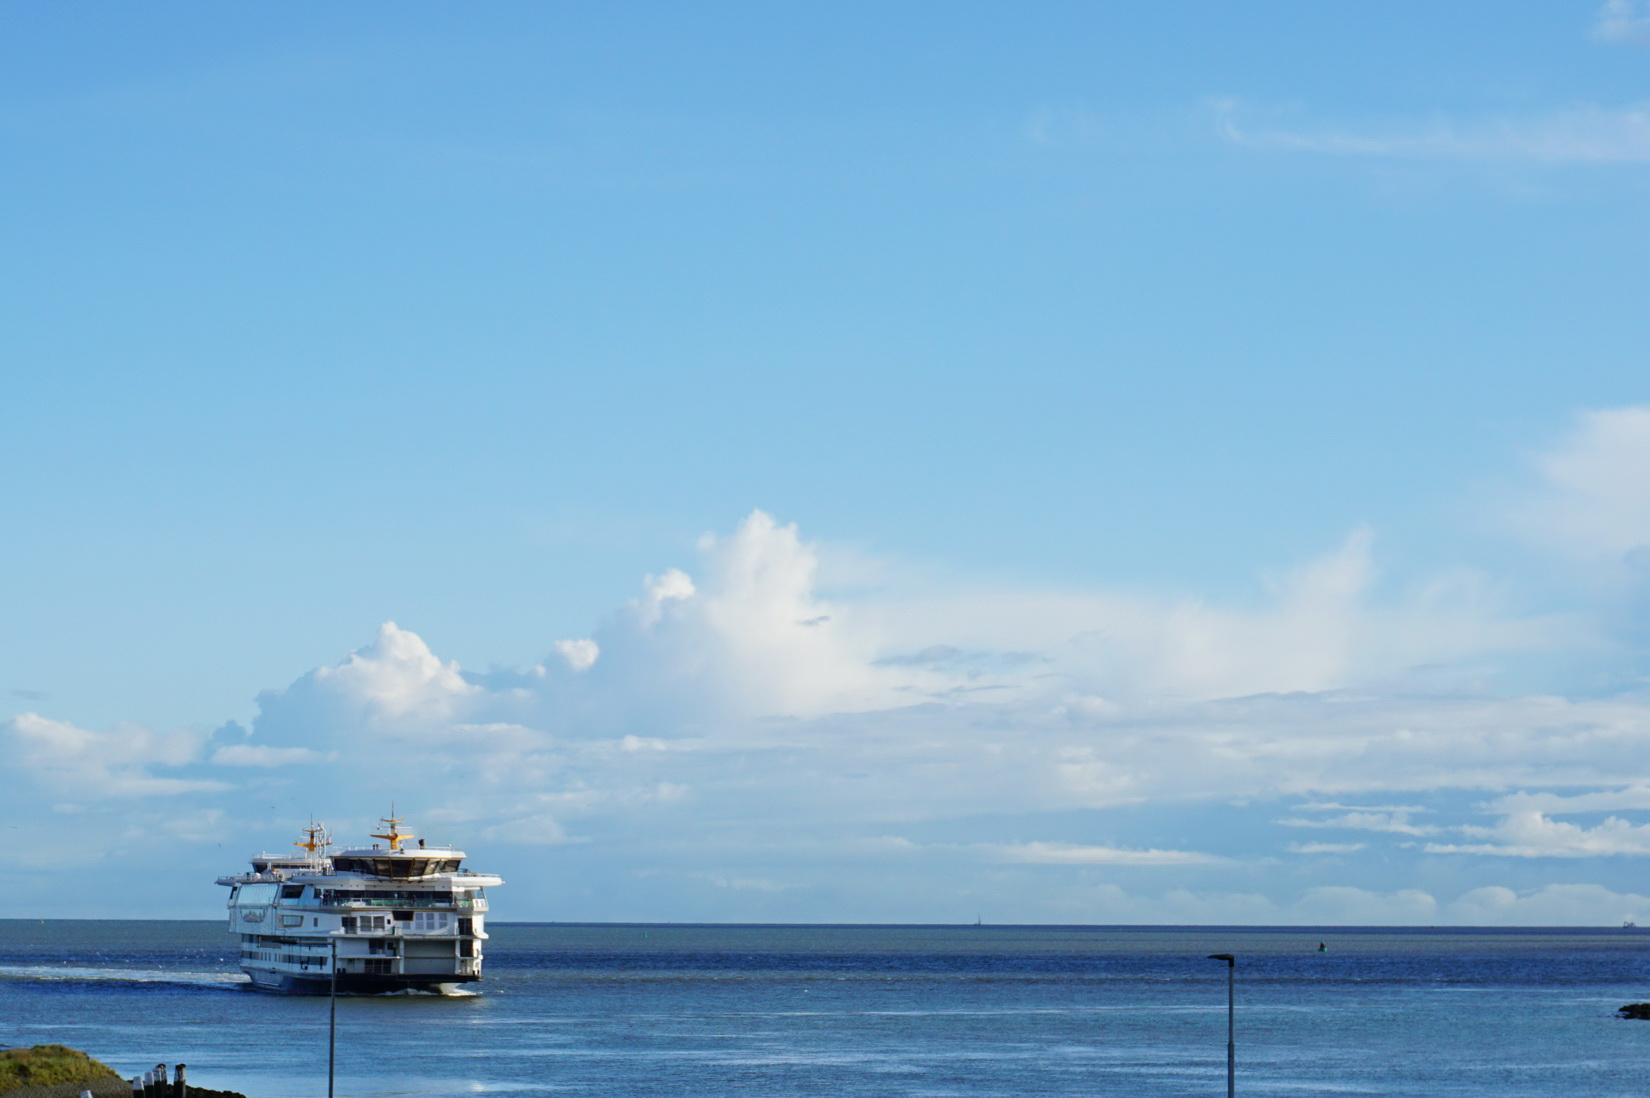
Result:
pixel 392 917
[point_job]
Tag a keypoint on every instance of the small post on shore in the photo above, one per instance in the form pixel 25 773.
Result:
pixel 180 1088
pixel 332 1020
pixel 1231 1046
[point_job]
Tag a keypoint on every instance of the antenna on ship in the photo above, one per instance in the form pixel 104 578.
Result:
pixel 316 837
pixel 395 837
pixel 315 841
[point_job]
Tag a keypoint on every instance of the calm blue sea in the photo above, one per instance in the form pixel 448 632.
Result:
pixel 903 1010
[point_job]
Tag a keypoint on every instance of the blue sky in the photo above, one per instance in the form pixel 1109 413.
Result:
pixel 1090 462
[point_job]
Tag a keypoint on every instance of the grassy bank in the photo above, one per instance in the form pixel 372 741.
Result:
pixel 44 1065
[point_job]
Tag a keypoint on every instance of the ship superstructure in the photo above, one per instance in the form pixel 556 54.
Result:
pixel 394 916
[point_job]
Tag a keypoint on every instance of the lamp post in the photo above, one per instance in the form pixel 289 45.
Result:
pixel 332 1019
pixel 1231 1047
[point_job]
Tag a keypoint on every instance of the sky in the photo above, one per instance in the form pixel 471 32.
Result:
pixel 1044 463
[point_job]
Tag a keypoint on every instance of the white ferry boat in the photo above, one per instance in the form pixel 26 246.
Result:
pixel 392 917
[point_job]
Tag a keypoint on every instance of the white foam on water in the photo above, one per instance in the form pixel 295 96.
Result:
pixel 87 974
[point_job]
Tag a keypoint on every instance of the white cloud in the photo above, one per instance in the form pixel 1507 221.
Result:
pixel 657 593
pixel 753 698
pixel 1577 135
pixel 1395 822
pixel 1339 905
pixel 580 655
pixel 1593 499
pixel 743 716
pixel 775 647
pixel 1623 21
pixel 244 754
pixel 397 676
pixel 1321 629
pixel 1043 853
pixel 1633 796
pixel 116 763
pixel 1551 905
pixel 1535 835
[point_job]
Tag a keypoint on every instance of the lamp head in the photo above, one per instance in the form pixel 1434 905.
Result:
pixel 1227 957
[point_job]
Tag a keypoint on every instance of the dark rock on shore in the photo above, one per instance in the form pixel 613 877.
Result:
pixel 100 1088
pixel 1635 1010
pixel 103 1088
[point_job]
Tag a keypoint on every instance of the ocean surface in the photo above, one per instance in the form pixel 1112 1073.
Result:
pixel 871 1010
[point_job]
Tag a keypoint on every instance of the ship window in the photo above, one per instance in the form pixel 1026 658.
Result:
pixel 403 916
pixel 292 920
pixel 254 895
pixel 467 948
pixel 349 924
pixel 430 922
pixel 291 892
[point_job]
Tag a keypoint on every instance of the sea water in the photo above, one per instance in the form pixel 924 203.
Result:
pixel 871 1010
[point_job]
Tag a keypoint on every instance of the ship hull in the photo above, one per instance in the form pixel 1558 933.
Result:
pixel 352 983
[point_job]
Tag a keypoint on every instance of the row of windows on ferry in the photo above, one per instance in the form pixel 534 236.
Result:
pixel 420 922
pixel 466 949
pixel 249 895
pixel 396 868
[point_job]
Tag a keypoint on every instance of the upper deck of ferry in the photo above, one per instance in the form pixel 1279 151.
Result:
pixel 392 862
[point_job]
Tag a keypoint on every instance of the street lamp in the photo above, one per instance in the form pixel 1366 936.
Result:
pixel 1231 1048
pixel 332 1016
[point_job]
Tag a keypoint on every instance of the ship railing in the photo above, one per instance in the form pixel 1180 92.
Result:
pixel 405 930
pixel 461 905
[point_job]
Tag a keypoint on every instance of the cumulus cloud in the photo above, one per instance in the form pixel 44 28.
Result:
pixel 397 676
pixel 742 719
pixel 581 655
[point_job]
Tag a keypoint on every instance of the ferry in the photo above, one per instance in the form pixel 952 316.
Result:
pixel 390 917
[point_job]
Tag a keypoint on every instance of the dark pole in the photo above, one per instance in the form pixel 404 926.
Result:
pixel 1231 1045
pixel 332 1021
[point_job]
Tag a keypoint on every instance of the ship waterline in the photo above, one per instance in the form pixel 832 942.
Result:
pixel 390 917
